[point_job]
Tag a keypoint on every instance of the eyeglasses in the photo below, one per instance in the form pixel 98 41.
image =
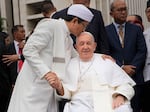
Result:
pixel 121 9
pixel 84 25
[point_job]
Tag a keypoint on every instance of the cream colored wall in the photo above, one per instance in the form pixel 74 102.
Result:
pixel 3 12
pixel 6 13
pixel 63 4
pixel 66 3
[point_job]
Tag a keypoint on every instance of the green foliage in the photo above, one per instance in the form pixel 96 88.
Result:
pixel 2 24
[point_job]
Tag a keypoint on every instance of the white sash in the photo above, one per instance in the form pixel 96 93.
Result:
pixel 101 97
pixel 59 61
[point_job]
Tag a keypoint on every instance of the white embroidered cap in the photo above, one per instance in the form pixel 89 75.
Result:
pixel 80 11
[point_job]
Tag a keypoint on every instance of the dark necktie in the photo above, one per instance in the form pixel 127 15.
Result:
pixel 120 27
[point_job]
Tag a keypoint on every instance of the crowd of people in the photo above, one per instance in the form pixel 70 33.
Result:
pixel 72 62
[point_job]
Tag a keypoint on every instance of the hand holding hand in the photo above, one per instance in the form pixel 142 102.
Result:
pixel 55 82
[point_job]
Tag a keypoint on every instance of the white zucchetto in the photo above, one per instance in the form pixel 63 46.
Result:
pixel 80 11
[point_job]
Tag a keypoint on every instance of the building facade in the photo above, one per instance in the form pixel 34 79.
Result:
pixel 27 12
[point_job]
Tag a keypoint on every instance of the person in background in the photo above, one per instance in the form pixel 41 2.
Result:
pixel 128 47
pixel 136 19
pixel 5 38
pixel 48 8
pixel 5 84
pixel 96 26
pixel 13 56
pixel 93 84
pixel 146 72
pixel 47 52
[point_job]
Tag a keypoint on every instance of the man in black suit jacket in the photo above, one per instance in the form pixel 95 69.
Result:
pixel 131 56
pixel 12 56
pixel 96 26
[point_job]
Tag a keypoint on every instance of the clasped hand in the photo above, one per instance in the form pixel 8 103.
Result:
pixel 118 101
pixel 55 82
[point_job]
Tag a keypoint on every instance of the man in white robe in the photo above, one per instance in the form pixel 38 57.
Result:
pixel 93 84
pixel 47 52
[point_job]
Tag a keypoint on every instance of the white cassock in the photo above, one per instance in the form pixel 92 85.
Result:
pixel 45 51
pixel 91 86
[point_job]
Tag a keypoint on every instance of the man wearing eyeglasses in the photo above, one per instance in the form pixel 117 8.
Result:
pixel 128 48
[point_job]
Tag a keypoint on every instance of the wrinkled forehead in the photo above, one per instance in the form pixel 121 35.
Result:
pixel 85 36
pixel 119 4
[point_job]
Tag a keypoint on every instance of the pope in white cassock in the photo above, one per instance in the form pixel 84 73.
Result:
pixel 47 52
pixel 94 84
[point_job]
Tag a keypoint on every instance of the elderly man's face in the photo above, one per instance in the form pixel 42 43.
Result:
pixel 119 12
pixel 85 46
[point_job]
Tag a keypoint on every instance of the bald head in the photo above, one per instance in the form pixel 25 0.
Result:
pixel 84 35
pixel 115 4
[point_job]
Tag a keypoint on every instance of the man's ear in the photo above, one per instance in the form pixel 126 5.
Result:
pixel 111 14
pixel 75 46
pixel 95 44
pixel 55 9
pixel 74 20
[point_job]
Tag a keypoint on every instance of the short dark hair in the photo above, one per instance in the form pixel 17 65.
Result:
pixel 47 6
pixel 138 17
pixel 112 6
pixel 70 17
pixel 148 4
pixel 3 36
pixel 15 28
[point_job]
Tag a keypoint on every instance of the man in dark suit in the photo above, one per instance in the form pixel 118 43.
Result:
pixel 128 50
pixel 12 57
pixel 96 26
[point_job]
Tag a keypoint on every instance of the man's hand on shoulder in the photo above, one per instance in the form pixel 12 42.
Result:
pixel 104 56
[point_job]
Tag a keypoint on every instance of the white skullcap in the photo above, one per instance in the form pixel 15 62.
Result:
pixel 80 11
